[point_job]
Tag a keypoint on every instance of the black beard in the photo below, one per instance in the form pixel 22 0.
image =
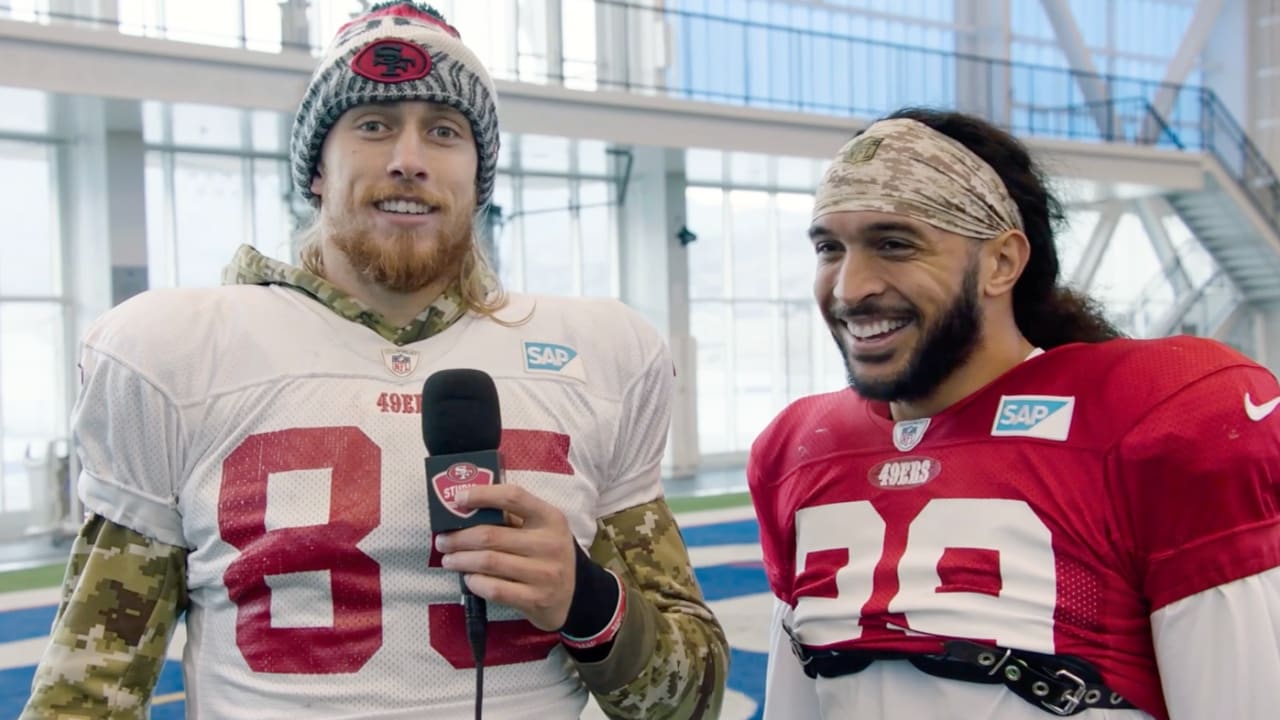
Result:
pixel 946 345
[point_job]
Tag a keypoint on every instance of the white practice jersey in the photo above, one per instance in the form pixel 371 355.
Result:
pixel 282 445
pixel 1238 625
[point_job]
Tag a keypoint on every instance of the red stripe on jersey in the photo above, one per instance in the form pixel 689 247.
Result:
pixel 970 570
pixel 1186 571
pixel 537 450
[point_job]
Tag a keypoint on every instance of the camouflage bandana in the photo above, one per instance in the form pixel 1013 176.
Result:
pixel 905 167
pixel 250 267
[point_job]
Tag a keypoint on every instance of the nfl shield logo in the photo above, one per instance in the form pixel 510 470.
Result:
pixel 908 433
pixel 400 362
pixel 458 476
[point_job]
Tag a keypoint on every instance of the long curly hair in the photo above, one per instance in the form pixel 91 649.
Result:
pixel 1047 313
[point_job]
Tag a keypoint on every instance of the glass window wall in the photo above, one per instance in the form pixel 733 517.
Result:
pixel 761 343
pixel 33 303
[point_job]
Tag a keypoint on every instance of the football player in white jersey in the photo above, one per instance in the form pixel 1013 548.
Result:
pixel 252 454
pixel 1014 513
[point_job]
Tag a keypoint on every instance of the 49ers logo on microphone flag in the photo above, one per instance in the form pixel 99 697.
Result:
pixel 456 477
pixel 449 473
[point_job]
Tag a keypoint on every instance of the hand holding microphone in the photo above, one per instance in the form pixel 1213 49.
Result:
pixel 528 563
pixel 462 427
pixel 532 562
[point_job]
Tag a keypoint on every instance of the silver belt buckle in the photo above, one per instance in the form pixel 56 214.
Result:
pixel 1070 699
pixel 796 648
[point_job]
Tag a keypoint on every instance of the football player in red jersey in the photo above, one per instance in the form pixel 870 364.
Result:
pixel 1015 512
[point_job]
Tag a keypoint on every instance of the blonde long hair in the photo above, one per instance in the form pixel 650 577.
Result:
pixel 478 284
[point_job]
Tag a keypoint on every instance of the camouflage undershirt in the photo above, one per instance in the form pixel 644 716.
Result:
pixel 669 642
pixel 249 267
pixel 123 591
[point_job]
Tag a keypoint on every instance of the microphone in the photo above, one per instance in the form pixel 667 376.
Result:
pixel 462 427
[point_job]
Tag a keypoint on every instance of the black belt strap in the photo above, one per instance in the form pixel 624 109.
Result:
pixel 1059 684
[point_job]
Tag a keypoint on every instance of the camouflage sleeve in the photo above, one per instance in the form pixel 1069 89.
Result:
pixel 121 598
pixel 670 659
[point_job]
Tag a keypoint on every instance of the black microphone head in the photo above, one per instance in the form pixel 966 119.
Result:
pixel 460 412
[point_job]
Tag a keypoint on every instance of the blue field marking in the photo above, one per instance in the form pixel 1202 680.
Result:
pixel 742 532
pixel 26 623
pixel 746 675
pixel 170 682
pixel 15 686
pixel 718 582
pixel 721 582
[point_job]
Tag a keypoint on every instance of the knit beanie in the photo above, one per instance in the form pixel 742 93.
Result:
pixel 399 50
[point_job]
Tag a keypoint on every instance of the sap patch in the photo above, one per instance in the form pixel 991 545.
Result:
pixel 552 359
pixel 1047 417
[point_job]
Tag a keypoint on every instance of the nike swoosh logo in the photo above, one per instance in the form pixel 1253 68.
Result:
pixel 1257 412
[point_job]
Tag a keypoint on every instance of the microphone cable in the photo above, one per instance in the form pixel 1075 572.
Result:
pixel 476 611
pixel 462 428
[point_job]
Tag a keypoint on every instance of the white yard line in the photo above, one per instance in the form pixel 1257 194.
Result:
pixel 30 598
pixel 710 517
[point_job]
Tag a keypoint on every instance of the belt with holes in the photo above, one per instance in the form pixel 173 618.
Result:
pixel 1059 684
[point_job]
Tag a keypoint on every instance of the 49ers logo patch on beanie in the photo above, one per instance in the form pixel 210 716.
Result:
pixel 397 51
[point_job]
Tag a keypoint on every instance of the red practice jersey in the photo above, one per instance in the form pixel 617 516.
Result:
pixel 1053 511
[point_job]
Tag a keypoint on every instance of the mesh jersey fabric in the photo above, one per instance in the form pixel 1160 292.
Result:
pixel 1143 481
pixel 282 445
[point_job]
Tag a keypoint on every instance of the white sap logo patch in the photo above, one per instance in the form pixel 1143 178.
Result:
pixel 547 357
pixel 1047 417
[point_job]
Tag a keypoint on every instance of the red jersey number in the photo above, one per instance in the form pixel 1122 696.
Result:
pixel 355 465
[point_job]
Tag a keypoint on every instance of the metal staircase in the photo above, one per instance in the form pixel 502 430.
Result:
pixel 1234 214
pixel 1247 251
pixel 1237 215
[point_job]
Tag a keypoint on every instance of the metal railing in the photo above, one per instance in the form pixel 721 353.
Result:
pixel 1223 138
pixel 679 53
pixel 742 62
pixel 1123 120
pixel 1198 312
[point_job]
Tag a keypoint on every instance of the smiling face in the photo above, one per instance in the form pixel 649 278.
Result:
pixel 397 184
pixel 901 299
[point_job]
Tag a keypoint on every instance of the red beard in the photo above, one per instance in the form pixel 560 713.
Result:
pixel 401 261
